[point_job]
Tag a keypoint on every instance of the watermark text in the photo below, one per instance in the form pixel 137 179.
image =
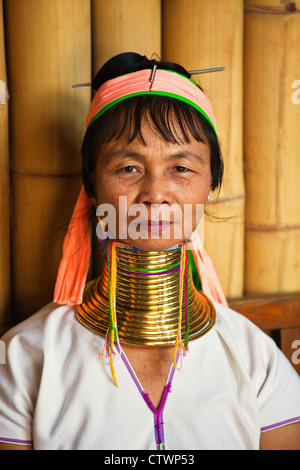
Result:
pixel 296 94
pixel 2 352
pixel 296 353
pixel 138 221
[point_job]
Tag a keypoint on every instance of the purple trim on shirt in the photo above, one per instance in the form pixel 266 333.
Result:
pixel 281 423
pixel 157 412
pixel 129 369
pixel 15 441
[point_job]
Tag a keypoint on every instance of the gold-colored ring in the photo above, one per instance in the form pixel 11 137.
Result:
pixel 147 306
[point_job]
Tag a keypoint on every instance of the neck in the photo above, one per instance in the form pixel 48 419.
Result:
pixel 154 298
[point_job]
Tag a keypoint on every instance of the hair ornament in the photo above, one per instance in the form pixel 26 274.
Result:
pixel 153 76
pixel 191 72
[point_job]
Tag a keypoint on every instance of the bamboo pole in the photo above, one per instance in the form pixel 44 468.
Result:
pixel 122 26
pixel 272 147
pixel 203 35
pixel 48 44
pixel 125 26
pixel 4 188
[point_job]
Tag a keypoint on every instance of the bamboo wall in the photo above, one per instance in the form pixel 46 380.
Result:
pixel 252 233
pixel 272 148
pixel 48 49
pixel 5 297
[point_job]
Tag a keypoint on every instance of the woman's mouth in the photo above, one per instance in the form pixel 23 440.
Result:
pixel 155 226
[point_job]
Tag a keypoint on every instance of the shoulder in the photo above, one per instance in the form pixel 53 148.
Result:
pixel 40 329
pixel 49 316
pixel 246 343
pixel 234 327
pixel 253 349
pixel 33 348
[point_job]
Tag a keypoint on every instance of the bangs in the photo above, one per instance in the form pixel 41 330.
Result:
pixel 173 120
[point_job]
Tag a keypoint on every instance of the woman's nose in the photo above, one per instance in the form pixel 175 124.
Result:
pixel 155 189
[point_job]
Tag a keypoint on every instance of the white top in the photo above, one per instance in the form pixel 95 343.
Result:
pixel 56 392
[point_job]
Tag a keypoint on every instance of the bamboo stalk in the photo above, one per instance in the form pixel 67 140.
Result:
pixel 203 35
pixel 272 129
pixel 5 306
pixel 48 44
pixel 125 26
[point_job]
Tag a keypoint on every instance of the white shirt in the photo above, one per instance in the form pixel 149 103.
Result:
pixel 56 393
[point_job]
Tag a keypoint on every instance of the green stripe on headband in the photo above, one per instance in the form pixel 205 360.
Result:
pixel 150 92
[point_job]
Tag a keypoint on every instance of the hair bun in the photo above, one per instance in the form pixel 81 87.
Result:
pixel 120 64
pixel 128 62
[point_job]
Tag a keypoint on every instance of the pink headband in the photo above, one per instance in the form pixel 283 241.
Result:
pixel 148 82
pixel 74 264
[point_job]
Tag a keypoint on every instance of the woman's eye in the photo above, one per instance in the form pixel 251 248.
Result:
pixel 181 169
pixel 128 169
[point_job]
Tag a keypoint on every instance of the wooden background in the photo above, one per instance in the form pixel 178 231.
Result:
pixel 253 230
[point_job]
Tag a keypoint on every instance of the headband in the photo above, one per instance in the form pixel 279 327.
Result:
pixel 74 265
pixel 150 82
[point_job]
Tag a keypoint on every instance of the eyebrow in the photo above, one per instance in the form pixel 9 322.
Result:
pixel 188 154
pixel 123 153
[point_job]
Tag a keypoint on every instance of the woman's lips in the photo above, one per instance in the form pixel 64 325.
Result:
pixel 156 226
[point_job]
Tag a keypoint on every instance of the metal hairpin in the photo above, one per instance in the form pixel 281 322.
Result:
pixel 153 76
pixel 191 72
pixel 215 69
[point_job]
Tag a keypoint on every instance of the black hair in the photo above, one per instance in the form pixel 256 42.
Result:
pixel 162 113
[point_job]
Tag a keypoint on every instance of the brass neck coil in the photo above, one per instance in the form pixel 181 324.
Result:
pixel 147 299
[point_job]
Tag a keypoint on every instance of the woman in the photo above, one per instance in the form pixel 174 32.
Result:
pixel 178 370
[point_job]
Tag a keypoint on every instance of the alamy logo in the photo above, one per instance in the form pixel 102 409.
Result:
pixel 3 93
pixel 137 221
pixel 296 354
pixel 296 94
pixel 2 353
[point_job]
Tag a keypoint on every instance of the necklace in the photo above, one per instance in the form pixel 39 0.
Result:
pixel 147 299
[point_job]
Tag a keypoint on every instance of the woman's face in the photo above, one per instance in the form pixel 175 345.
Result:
pixel 153 192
